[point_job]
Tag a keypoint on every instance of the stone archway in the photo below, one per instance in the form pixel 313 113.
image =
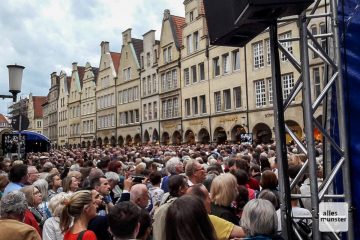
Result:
pixel 189 137
pixel 113 141
pixel 262 133
pixel 83 144
pixel 88 144
pixel 220 135
pixel 155 136
pixel 203 136
pixel 94 143
pixel 146 137
pixel 106 141
pixel 236 133
pixel 121 141
pixel 128 140
pixel 99 142
pixel 165 139
pixel 176 138
pixel 295 128
pixel 137 139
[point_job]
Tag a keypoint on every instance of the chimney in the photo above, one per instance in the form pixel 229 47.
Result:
pixel 104 47
pixel 126 36
pixel 166 14
pixel 74 66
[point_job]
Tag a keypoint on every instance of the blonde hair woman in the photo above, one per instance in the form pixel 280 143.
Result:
pixel 80 209
pixel 70 184
pixel 223 192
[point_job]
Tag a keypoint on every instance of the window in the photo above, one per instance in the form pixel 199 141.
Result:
pixel 145 112
pixel 193 74
pixel 202 104
pixel 216 67
pixel 163 82
pixel 149 84
pixel 186 76
pixel 270 90
pixel 142 62
pixel 164 109
pixel 38 124
pixel 127 74
pixel 154 83
pixel 136 93
pixel 314 32
pixel 174 78
pixel 268 52
pixel 187 107
pixel 144 86
pixel 131 116
pixel 225 63
pixel 195 107
pixel 189 44
pixel 155 110
pixel 227 99
pixel 287 45
pixel 316 79
pixel 155 56
pixel 130 92
pixel 125 96
pixel 167 54
pixel 148 59
pixel 288 84
pixel 260 95
pixel 150 111
pixel 170 108
pixel 323 31
pixel 236 60
pixel 136 115
pixel 258 55
pixel 176 107
pixel 237 97
pixel 217 99
pixel 191 16
pixel 196 40
pixel 201 71
pixel 168 81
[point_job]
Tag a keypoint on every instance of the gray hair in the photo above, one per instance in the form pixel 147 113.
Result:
pixel 190 167
pixel 42 185
pixel 112 176
pixel 13 203
pixel 57 203
pixel 171 165
pixel 259 217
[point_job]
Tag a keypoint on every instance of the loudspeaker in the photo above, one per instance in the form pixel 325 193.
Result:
pixel 236 22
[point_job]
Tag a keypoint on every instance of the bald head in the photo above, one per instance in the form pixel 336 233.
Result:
pixel 139 195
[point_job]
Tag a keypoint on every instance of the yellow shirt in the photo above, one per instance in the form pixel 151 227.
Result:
pixel 222 227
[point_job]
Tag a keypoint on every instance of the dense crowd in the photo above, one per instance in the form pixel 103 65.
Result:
pixel 203 191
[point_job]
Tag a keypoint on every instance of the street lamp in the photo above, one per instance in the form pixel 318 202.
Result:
pixel 15 79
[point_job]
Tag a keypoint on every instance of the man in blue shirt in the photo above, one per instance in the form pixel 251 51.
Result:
pixel 18 177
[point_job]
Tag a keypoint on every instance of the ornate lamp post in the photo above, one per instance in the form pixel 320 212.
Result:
pixel 15 80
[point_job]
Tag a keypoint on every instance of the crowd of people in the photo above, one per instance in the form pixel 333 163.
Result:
pixel 185 192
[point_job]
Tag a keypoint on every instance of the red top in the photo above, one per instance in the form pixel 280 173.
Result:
pixel 30 220
pixel 88 235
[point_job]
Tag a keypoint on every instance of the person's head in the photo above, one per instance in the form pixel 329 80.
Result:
pixel 187 218
pixel 81 203
pixel 33 195
pixel 13 206
pixel 76 174
pixel 33 174
pixel 174 166
pixel 155 178
pixel 139 195
pixel 177 185
pixel 145 225
pixel 19 174
pixel 70 184
pixel 223 190
pixel 241 176
pixel 54 181
pixel 57 203
pixel 124 220
pixel 113 179
pixel 101 185
pixel 201 191
pixel 195 171
pixel 4 181
pixel 259 218
pixel 42 185
pixel 115 166
pixel 268 180
pixel 270 196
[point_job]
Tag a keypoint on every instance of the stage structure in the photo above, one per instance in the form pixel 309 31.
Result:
pixel 235 23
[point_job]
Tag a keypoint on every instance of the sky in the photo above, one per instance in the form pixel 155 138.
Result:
pixel 47 36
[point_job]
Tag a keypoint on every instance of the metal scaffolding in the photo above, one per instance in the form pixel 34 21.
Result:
pixel 332 91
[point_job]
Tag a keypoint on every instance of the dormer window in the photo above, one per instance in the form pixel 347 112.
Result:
pixel 191 16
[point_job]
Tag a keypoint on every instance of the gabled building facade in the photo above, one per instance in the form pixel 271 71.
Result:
pixel 127 88
pixel 74 104
pixel 170 75
pixel 88 107
pixel 63 119
pixel 105 96
pixel 150 89
pixel 35 113
pixel 52 110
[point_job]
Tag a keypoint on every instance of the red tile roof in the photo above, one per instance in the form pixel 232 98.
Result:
pixel 81 72
pixel 3 119
pixel 38 101
pixel 179 23
pixel 116 60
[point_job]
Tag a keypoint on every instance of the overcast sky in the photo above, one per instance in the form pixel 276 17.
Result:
pixel 46 36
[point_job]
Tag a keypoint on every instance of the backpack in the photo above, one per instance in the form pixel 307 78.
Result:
pixel 301 230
